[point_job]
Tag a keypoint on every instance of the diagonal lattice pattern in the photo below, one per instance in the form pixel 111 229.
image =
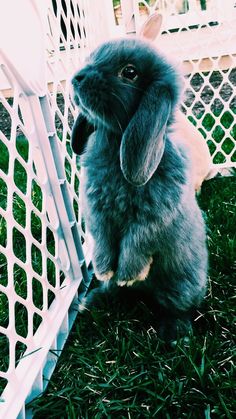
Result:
pixel 201 37
pixel 41 260
pixel 33 255
pixel 31 270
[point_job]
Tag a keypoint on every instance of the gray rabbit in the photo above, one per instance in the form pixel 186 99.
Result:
pixel 137 193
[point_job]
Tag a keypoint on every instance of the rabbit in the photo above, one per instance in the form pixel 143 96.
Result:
pixel 202 167
pixel 137 194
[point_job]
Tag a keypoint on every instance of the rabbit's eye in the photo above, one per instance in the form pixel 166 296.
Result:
pixel 129 72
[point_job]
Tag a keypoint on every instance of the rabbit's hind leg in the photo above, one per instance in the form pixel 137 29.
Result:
pixel 177 296
pixel 174 326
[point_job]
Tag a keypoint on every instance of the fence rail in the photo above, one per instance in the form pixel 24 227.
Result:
pixel 44 251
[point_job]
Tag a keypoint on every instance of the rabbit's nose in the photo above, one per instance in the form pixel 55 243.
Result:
pixel 78 78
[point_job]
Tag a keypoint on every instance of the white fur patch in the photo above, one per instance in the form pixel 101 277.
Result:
pixel 141 276
pixel 104 277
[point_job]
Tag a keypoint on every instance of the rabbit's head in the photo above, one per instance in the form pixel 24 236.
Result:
pixel 128 89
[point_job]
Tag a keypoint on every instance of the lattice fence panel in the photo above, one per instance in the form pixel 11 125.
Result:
pixel 201 36
pixel 34 260
pixel 74 28
pixel 41 260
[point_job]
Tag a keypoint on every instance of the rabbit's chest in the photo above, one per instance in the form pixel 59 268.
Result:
pixel 107 193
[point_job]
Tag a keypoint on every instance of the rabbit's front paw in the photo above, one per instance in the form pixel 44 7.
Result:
pixel 103 265
pixel 106 276
pixel 141 276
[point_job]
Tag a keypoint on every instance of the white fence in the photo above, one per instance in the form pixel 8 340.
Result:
pixel 203 42
pixel 43 267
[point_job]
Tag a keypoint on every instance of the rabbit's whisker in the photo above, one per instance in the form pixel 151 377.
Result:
pixel 133 87
pixel 118 122
pixel 120 101
pixel 104 130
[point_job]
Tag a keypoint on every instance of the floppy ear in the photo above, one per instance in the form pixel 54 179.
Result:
pixel 80 132
pixel 143 141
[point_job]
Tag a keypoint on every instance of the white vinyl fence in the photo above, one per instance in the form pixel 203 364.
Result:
pixel 43 268
pixel 44 253
pixel 203 41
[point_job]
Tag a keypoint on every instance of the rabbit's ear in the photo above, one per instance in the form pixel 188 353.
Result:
pixel 143 141
pixel 80 132
pixel 151 28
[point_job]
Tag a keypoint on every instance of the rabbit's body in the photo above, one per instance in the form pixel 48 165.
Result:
pixel 139 205
pixel 174 235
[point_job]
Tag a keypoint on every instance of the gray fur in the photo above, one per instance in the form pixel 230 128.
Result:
pixel 137 196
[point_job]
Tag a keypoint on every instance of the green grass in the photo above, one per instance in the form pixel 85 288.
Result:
pixel 114 365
